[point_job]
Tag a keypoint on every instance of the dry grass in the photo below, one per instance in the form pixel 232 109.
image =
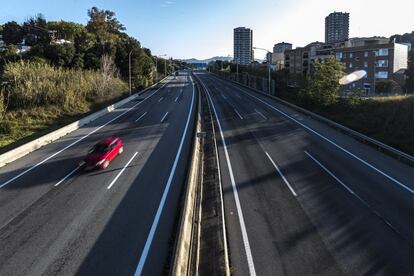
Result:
pixel 44 98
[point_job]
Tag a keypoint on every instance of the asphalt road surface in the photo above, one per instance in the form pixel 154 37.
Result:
pixel 303 199
pixel 57 219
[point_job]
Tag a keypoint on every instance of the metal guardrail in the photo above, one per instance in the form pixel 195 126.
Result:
pixel 400 155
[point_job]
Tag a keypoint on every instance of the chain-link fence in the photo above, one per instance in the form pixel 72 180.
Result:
pixel 258 83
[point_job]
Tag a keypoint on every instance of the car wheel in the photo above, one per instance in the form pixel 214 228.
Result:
pixel 105 164
pixel 121 150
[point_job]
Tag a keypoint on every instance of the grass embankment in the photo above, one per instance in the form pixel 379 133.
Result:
pixel 41 98
pixel 389 119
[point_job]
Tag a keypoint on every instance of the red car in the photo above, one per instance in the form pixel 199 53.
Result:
pixel 103 153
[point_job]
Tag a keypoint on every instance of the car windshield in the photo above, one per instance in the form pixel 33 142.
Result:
pixel 99 148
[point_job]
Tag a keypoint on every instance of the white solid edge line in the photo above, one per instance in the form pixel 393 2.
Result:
pixel 140 117
pixel 332 143
pixel 240 116
pixel 77 141
pixel 154 225
pixel 69 174
pixel 281 174
pixel 247 249
pixel 123 169
pixel 163 118
pixel 226 254
pixel 331 174
pixel 351 191
pixel 261 114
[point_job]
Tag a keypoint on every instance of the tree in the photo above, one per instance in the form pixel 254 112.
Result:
pixel 104 25
pixel 66 30
pixel 12 33
pixel 147 52
pixel 409 83
pixel 36 31
pixel 323 86
pixel 124 46
pixel 60 55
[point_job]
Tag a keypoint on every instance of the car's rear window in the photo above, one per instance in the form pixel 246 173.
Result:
pixel 100 148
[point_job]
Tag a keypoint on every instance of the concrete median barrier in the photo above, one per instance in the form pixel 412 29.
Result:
pixel 185 256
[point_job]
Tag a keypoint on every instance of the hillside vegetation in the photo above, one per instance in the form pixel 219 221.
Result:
pixel 40 97
pixel 52 73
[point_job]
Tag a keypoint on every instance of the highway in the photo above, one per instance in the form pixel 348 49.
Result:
pixel 303 199
pixel 56 219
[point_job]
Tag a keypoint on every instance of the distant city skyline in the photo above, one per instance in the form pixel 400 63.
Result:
pixel 202 29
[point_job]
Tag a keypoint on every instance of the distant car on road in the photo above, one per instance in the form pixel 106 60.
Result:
pixel 103 153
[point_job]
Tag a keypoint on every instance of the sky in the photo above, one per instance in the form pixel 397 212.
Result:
pixel 203 29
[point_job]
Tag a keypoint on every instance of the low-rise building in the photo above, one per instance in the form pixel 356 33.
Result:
pixel 301 59
pixel 282 47
pixel 278 55
pixel 381 59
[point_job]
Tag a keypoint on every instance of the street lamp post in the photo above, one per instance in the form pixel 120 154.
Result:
pixel 237 71
pixel 129 63
pixel 268 63
pixel 375 71
pixel 156 68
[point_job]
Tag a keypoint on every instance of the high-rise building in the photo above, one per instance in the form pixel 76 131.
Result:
pixel 282 47
pixel 243 45
pixel 337 27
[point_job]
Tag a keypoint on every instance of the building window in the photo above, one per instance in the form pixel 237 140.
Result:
pixel 351 55
pixel 383 52
pixel 381 75
pixel 365 54
pixel 382 63
pixel 350 65
pixel 339 56
pixel 365 64
pixel 344 55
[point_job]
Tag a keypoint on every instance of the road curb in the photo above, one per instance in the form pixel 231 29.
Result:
pixel 25 149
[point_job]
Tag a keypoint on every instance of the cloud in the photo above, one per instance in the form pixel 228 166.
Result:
pixel 167 3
